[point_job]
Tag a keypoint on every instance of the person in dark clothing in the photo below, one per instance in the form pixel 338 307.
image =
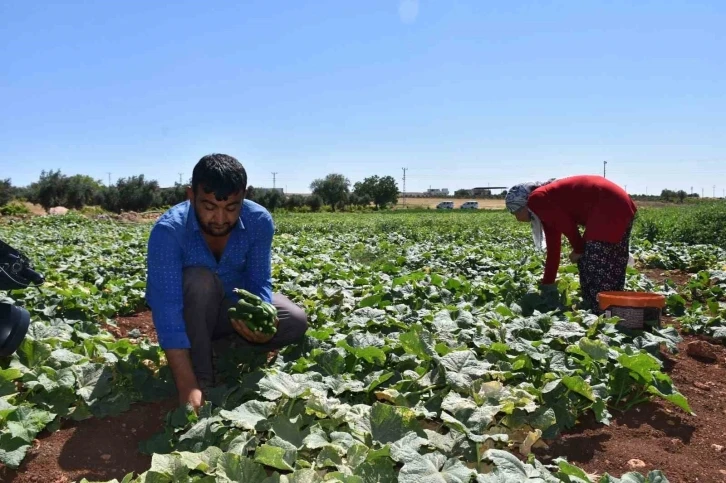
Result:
pixel 199 251
pixel 560 207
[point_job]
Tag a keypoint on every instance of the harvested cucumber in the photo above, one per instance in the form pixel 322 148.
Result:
pixel 258 315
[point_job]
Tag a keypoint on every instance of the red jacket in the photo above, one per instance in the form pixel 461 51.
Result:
pixel 601 206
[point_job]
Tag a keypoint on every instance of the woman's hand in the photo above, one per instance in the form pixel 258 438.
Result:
pixel 256 337
pixel 575 257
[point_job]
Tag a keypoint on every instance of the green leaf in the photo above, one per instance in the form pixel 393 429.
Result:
pixel 251 415
pixel 435 468
pixel 233 468
pixel 370 301
pixel 93 381
pixel 463 368
pixel 12 450
pixel 464 415
pixel 205 461
pixel 276 385
pixel 578 385
pixel 419 342
pixel 7 376
pixel 391 423
pixel 596 349
pixel 168 467
pixel 641 364
pixel 272 456
pixel 577 475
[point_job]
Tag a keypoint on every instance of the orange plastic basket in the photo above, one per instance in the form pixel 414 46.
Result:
pixel 635 309
pixel 630 299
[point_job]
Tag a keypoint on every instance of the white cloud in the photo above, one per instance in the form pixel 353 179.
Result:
pixel 408 10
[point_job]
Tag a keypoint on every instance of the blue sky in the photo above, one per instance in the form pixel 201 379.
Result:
pixel 461 92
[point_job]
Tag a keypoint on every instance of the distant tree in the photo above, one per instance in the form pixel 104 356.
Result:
pixel 50 190
pixel 381 191
pixel 682 196
pixel 462 193
pixel 333 189
pixel 293 202
pixel 132 194
pixel 6 191
pixel 174 195
pixel 314 202
pixel 272 199
pixel 81 190
pixel 354 199
pixel 668 195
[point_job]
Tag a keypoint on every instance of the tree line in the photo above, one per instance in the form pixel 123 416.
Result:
pixel 139 194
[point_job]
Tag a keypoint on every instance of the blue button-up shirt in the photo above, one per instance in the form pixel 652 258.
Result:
pixel 176 242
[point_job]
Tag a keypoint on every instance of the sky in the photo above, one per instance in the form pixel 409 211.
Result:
pixel 462 93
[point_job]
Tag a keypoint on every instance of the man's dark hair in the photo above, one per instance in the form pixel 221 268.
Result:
pixel 221 174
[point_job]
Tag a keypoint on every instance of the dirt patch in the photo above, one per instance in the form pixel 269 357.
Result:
pixel 432 202
pixel 687 448
pixel 34 209
pixel 141 322
pixel 96 449
pixel 658 433
pixel 679 277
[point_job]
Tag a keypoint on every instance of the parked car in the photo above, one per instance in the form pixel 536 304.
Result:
pixel 470 205
pixel 445 205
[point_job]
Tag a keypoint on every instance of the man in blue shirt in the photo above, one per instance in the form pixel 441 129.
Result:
pixel 198 252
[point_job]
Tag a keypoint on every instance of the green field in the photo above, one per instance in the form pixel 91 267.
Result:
pixel 430 357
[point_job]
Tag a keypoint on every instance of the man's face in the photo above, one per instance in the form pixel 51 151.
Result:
pixel 216 218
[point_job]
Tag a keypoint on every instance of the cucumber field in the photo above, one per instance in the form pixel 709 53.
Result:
pixel 430 357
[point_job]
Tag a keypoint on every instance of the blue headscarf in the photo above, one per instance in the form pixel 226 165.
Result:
pixel 516 199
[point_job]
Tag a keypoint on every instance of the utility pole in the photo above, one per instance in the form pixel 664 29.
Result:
pixel 691 189
pixel 180 178
pixel 274 174
pixel 404 186
pixel 604 169
pixel 701 192
pixel 714 191
pixel 109 177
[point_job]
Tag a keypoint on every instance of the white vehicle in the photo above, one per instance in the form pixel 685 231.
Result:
pixel 470 205
pixel 445 205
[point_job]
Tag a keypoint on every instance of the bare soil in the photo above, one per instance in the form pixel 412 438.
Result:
pixel 141 321
pixel 96 449
pixel 659 435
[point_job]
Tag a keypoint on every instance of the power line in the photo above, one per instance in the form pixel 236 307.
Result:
pixel 404 186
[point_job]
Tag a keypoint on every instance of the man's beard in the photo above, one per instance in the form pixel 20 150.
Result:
pixel 217 232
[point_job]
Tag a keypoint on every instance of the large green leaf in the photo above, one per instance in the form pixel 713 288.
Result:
pixel 390 423
pixel 435 468
pixel 250 415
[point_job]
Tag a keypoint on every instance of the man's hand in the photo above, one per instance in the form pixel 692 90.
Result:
pixel 575 257
pixel 191 396
pixel 184 377
pixel 256 337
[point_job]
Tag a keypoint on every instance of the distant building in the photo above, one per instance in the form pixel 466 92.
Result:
pixel 479 191
pixel 437 192
pixel 485 191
